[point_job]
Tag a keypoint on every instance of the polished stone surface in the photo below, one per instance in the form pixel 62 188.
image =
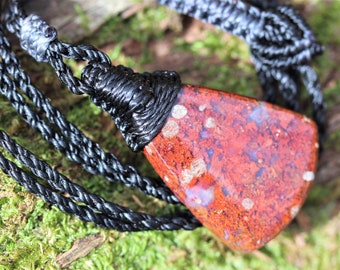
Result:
pixel 241 166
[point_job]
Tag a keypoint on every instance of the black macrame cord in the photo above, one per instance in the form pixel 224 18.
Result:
pixel 281 44
pixel 77 147
pixel 282 47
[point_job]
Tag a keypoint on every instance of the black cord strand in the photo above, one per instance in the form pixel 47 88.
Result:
pixel 64 135
pixel 282 47
pixel 279 40
pixel 138 103
pixel 281 43
pixel 79 202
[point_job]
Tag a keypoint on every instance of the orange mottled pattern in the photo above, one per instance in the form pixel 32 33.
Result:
pixel 241 166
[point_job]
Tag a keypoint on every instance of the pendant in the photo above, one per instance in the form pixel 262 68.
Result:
pixel 243 167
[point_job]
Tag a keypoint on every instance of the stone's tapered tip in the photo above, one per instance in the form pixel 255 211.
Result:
pixel 241 166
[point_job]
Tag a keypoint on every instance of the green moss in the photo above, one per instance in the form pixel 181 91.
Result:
pixel 326 18
pixel 233 72
pixel 32 233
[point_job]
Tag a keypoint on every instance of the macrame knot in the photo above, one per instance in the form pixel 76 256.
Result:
pixel 283 39
pixel 35 37
pixel 276 34
pixel 139 103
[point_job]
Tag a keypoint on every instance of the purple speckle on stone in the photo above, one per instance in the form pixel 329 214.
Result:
pixel 197 196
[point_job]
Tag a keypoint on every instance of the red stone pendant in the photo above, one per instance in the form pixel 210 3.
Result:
pixel 241 166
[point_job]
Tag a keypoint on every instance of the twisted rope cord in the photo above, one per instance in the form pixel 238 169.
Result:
pixel 154 93
pixel 242 20
pixel 72 142
pixel 281 43
pixel 279 39
pixel 84 205
pixel 80 149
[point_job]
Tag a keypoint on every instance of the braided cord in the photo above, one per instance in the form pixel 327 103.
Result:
pixel 68 138
pixel 79 202
pixel 281 43
pixel 282 47
pixel 279 39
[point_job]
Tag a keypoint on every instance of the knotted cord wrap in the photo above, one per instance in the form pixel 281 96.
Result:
pixel 282 47
pixel 280 42
pixel 138 103
pixel 278 37
pixel 79 202
pixel 35 37
pixel 62 134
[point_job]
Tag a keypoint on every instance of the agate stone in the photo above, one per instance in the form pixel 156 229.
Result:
pixel 243 167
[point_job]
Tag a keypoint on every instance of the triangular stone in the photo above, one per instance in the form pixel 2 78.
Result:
pixel 241 166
